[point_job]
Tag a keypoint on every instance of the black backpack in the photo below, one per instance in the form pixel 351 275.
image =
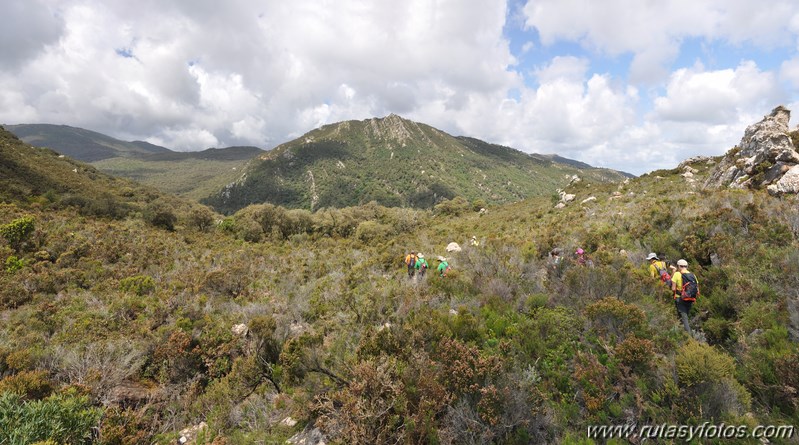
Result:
pixel 690 287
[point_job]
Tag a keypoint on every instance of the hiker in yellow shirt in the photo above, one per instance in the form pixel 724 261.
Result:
pixel 657 269
pixel 685 287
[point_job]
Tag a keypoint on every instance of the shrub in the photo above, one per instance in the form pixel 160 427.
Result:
pixel 163 219
pixel 28 384
pixel 697 362
pixel 124 427
pixel 139 285
pixel 63 419
pixel 591 377
pixel 637 353
pixel 369 231
pixel 201 218
pixel 18 231
pixel 14 264
pixel 452 207
pixel 613 317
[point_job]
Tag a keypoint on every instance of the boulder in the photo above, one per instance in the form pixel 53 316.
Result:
pixel 307 437
pixel 239 330
pixel 764 155
pixel 189 435
pixel 453 247
pixel 788 183
pixel 288 421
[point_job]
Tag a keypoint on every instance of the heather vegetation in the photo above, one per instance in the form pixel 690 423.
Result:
pixel 118 318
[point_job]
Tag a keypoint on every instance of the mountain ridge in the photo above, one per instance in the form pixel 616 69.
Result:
pixel 395 162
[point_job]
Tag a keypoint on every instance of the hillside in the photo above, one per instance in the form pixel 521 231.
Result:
pixel 281 324
pixel 194 175
pixel 80 144
pixel 31 174
pixel 394 162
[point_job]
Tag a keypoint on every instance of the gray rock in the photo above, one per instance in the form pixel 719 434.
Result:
pixel 789 183
pixel 764 155
pixel 307 437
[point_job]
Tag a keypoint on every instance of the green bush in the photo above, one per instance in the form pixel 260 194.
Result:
pixel 14 264
pixel 452 207
pixel 201 218
pixel 697 362
pixel 369 231
pixel 139 285
pixel 615 318
pixel 18 231
pixel 65 419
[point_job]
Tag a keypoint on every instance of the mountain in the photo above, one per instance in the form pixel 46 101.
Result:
pixel 394 162
pixel 278 325
pixel 194 175
pixel 28 172
pixel 80 144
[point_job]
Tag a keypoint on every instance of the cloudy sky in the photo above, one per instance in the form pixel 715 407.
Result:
pixel 626 84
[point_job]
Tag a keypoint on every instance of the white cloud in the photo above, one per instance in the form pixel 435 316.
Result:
pixel 714 97
pixel 653 31
pixel 193 74
pixel 789 72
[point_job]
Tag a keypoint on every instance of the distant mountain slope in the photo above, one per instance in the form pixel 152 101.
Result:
pixel 394 162
pixel 30 173
pixel 194 175
pixel 78 143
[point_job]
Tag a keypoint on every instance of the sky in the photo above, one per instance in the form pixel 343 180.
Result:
pixel 633 85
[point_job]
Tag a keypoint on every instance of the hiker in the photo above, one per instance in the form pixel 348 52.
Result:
pixel 554 258
pixel 421 265
pixel 685 287
pixel 657 269
pixel 555 263
pixel 443 267
pixel 474 241
pixel 410 261
pixel 582 258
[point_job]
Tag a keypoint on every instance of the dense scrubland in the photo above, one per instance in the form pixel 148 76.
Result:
pixel 117 307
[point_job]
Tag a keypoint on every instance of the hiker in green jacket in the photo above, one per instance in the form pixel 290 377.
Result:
pixel 443 267
pixel 421 264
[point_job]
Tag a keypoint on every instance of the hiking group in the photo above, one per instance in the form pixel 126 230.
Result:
pixel 417 263
pixel 556 265
pixel 681 282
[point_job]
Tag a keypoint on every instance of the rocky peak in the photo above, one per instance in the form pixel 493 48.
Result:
pixel 390 127
pixel 763 158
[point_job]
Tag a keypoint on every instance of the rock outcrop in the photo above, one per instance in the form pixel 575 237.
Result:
pixel 763 158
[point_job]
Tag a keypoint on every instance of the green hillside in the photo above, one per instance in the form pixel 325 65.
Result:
pixel 194 175
pixel 394 162
pixel 278 323
pixel 80 144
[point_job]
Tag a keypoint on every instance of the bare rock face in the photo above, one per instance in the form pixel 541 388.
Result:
pixel 763 157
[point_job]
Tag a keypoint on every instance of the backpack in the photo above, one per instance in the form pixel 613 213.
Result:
pixel 664 275
pixel 690 287
pixel 412 261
